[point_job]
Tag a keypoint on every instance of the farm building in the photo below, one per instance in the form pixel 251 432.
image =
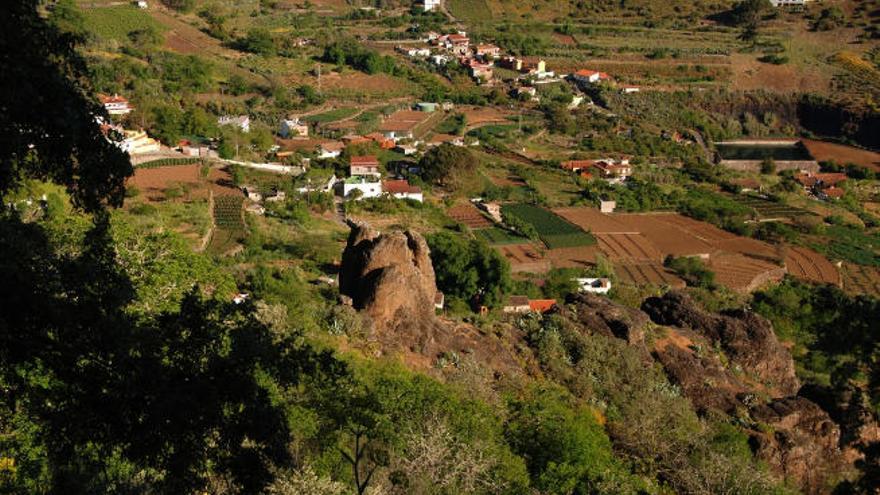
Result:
pixel 428 5
pixel 613 171
pixel 138 143
pixel 511 63
pixel 593 285
pixel 402 189
pixel 330 149
pixel 364 165
pixel 517 304
pixel 541 305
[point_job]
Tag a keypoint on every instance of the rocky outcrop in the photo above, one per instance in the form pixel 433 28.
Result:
pixel 798 440
pixel 389 277
pixel 600 315
pixel 746 338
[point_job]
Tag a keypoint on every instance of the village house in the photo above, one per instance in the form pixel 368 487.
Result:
pixel 275 196
pixel 517 304
pixel 367 187
pixel 402 189
pixel 438 139
pixel 115 105
pixel 406 149
pixel 138 143
pixel 511 63
pixel 479 70
pixel 252 193
pixel 330 149
pixel 613 171
pixel 488 51
pixel 585 76
pixel 293 127
pixel 593 285
pixel 364 165
pixel 458 43
pixel 242 122
pixel 439 60
pixel 576 165
pixel 414 52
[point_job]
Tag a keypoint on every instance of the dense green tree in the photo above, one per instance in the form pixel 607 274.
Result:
pixel 469 270
pixel 448 166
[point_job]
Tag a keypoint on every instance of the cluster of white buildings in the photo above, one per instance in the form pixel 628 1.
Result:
pixel 365 181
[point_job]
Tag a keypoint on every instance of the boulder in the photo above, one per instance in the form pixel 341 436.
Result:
pixel 388 276
pixel 600 315
pixel 746 338
pixel 799 441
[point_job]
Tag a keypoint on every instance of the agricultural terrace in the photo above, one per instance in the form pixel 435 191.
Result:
pixel 811 266
pixel 553 230
pixel 332 115
pixel 767 209
pixel 499 236
pixel 859 279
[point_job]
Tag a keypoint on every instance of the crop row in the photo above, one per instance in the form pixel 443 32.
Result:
pixel 168 162
pixel 227 212
pixel 553 230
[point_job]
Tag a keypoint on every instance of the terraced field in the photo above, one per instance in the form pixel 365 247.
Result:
pixel 811 266
pixel 628 247
pixel 497 236
pixel 769 209
pixel 469 215
pixel 744 274
pixel 647 274
pixel 524 258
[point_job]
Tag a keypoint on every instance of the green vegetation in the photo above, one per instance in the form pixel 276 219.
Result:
pixel 850 244
pixel 469 270
pixel 116 22
pixel 553 230
pixel 692 270
pixel 499 236
pixel 168 162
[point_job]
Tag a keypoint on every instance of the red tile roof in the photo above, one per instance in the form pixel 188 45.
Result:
pixel 364 161
pixel 542 305
pixel 105 99
pixel 577 164
pixel 401 186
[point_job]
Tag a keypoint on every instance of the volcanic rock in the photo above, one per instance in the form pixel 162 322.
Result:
pixel 746 338
pixel 600 315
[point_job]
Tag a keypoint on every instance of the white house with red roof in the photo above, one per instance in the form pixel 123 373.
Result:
pixel 364 165
pixel 587 76
pixel 115 105
pixel 402 189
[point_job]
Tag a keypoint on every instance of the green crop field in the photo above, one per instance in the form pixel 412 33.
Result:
pixel 229 224
pixel 331 115
pixel 850 244
pixel 117 21
pixel 497 236
pixel 552 229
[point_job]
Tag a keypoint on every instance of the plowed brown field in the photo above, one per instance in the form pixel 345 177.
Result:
pixel 469 215
pixel 152 182
pixel 574 257
pixel 647 274
pixel 744 274
pixel 811 266
pixel 524 258
pixel 628 247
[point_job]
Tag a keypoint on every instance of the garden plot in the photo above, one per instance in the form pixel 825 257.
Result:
pixel 811 266
pixel 554 231
pixel 470 216
pixel 742 273
pixel 229 227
